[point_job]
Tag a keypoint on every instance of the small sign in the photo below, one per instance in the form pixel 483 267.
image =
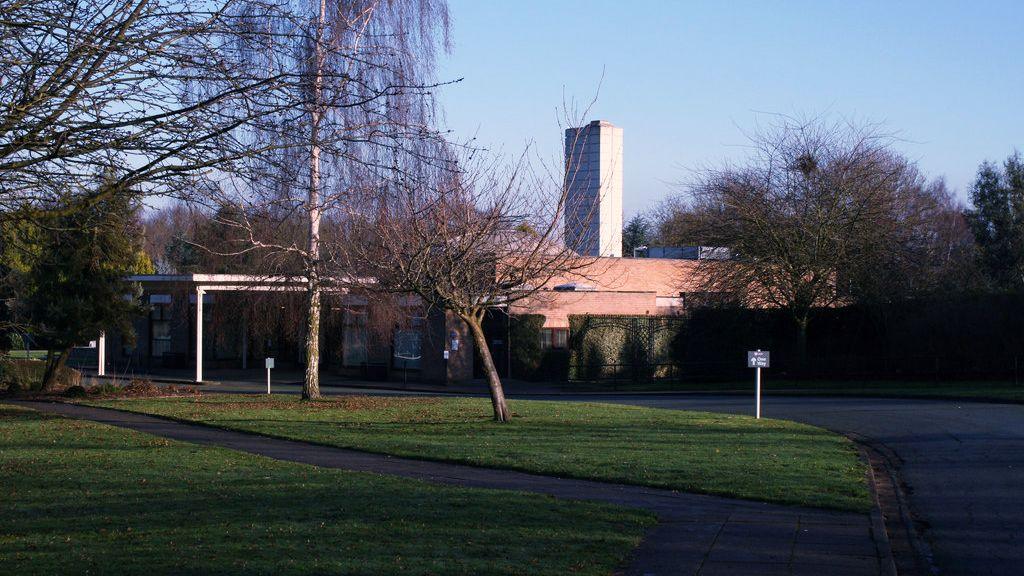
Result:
pixel 455 343
pixel 445 354
pixel 270 364
pixel 758 359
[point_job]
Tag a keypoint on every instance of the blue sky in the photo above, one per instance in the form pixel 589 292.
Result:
pixel 686 79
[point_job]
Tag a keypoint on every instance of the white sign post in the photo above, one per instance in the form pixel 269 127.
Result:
pixel 270 364
pixel 757 360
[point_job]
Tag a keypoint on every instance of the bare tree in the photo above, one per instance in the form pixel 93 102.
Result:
pixel 89 88
pixel 350 102
pixel 823 213
pixel 480 238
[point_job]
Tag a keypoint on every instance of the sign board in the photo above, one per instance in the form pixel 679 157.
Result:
pixel 407 345
pixel 445 354
pixel 270 363
pixel 758 359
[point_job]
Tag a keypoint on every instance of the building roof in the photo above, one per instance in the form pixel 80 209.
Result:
pixel 237 282
pixel 663 276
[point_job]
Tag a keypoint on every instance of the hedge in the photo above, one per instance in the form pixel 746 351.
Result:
pixel 623 347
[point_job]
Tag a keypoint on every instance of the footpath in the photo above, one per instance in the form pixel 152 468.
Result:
pixel 696 534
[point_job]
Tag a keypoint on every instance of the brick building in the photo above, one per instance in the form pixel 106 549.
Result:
pixel 212 321
pixel 200 322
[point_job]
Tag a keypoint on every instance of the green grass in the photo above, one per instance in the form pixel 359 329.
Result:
pixel 27 354
pixel 768 460
pixel 999 391
pixel 981 390
pixel 84 498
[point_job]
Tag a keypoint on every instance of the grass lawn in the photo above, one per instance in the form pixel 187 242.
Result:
pixel 769 460
pixel 999 391
pixel 78 497
pixel 27 354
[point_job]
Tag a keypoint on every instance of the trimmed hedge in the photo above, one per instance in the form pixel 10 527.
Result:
pixel 623 347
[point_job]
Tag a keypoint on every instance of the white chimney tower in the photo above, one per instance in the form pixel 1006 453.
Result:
pixel 593 212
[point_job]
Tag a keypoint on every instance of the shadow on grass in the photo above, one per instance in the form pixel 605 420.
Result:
pixel 161 508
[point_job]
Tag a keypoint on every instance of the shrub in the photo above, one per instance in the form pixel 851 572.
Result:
pixel 75 392
pixel 104 389
pixel 138 387
pixel 67 378
pixel 524 345
pixel 15 341
pixel 26 374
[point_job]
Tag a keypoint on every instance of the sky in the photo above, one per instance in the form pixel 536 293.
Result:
pixel 688 80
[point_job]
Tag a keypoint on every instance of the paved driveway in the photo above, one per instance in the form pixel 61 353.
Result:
pixel 962 461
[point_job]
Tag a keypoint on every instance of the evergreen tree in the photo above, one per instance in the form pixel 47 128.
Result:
pixel 77 281
pixel 997 220
pixel 635 234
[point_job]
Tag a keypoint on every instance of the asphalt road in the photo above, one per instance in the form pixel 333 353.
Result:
pixel 963 463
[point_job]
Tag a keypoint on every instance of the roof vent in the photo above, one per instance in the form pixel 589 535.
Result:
pixel 575 287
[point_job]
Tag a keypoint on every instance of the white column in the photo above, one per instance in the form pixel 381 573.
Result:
pixel 101 353
pixel 758 393
pixel 199 334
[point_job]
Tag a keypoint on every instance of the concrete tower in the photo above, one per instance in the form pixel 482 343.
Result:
pixel 593 211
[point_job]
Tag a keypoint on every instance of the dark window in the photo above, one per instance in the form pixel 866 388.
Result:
pixel 354 339
pixel 557 338
pixel 159 330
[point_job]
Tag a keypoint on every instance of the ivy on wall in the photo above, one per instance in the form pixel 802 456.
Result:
pixel 622 347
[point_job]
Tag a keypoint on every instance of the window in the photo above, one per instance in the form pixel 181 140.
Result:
pixel 159 325
pixel 354 339
pixel 557 338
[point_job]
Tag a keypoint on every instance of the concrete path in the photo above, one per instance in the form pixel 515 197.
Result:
pixel 962 462
pixel 696 535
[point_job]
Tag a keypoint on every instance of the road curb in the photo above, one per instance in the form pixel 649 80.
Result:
pixel 898 539
pixel 887 564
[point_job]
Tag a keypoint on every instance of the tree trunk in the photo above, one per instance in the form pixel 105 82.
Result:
pixel 311 383
pixel 501 411
pixel 54 365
